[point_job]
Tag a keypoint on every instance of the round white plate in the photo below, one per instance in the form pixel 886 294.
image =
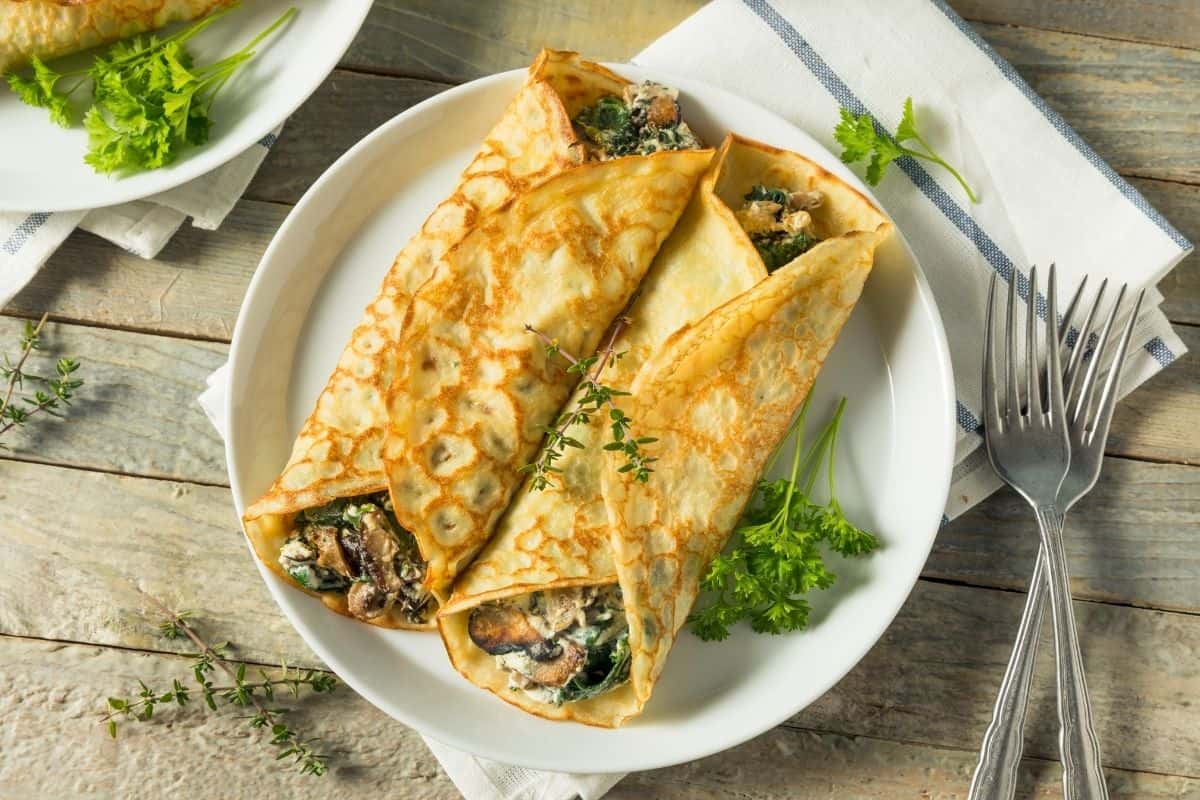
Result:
pixel 894 457
pixel 43 168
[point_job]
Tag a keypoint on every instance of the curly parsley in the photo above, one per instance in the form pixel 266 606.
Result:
pixel 776 558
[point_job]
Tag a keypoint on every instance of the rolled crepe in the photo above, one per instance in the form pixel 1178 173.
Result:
pixel 719 396
pixel 52 28
pixel 559 537
pixel 475 389
pixel 338 452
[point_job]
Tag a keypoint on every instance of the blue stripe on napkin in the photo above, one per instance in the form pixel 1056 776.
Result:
pixel 986 246
pixel 24 232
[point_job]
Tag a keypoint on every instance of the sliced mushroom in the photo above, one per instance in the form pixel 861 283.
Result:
pixel 557 671
pixel 367 601
pixel 663 111
pixel 564 607
pixel 380 549
pixel 501 629
pixel 329 550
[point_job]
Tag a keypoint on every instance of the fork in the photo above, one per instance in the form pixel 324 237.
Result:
pixel 996 775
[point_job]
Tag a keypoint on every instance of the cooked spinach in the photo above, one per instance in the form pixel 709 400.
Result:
pixel 607 667
pixel 609 124
pixel 778 248
pixel 760 192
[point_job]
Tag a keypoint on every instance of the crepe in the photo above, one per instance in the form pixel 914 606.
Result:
pixel 559 537
pixel 338 452
pixel 52 28
pixel 719 397
pixel 475 388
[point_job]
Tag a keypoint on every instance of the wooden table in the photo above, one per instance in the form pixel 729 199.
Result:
pixel 131 488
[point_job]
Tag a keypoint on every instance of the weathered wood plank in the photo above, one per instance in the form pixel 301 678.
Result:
pixel 1180 203
pixel 1133 102
pixel 193 288
pixel 1158 420
pixel 343 110
pixel 47 718
pixel 931 680
pixel 1133 539
pixel 51 696
pixel 790 763
pixel 1169 22
pixel 136 411
pixel 455 40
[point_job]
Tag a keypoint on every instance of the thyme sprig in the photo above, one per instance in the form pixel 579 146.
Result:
pixel 241 693
pixel 16 409
pixel 592 400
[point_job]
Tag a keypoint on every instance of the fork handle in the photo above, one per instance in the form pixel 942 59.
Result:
pixel 1083 778
pixel 1000 755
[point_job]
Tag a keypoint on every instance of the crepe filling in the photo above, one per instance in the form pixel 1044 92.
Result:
pixel 778 223
pixel 559 645
pixel 645 119
pixel 355 546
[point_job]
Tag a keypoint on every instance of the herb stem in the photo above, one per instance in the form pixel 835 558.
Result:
pixel 15 375
pixel 836 425
pixel 930 155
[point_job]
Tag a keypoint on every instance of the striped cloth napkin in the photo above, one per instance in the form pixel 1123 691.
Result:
pixel 142 227
pixel 1044 196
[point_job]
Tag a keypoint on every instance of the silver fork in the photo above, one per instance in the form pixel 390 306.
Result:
pixel 1087 424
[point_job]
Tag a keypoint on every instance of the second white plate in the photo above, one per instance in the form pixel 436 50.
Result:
pixel 894 459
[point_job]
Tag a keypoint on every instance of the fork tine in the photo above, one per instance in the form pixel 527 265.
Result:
pixel 1069 314
pixel 1071 376
pixel 1054 391
pixel 1033 392
pixel 991 403
pixel 1084 403
pixel 1108 397
pixel 1012 402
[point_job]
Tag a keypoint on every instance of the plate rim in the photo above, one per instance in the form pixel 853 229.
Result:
pixel 924 299
pixel 181 172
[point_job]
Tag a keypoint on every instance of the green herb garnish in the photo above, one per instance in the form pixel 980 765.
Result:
pixel 240 692
pixel 607 667
pixel 55 393
pixel 776 557
pixel 595 397
pixel 856 133
pixel 149 99
pixel 609 124
pixel 778 248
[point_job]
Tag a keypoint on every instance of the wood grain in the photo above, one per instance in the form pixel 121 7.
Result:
pixel 1179 203
pixel 1133 102
pixel 1169 22
pixel 931 680
pixel 1159 419
pixel 791 763
pixel 345 108
pixel 194 287
pixel 136 411
pixel 52 696
pixel 184 752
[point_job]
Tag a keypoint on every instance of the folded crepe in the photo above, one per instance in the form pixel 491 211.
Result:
pixel 475 388
pixel 52 28
pixel 326 523
pixel 537 618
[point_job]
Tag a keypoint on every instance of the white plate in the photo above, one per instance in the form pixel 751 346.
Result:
pixel 43 169
pixel 894 459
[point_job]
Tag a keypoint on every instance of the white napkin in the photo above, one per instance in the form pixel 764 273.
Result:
pixel 142 227
pixel 1045 196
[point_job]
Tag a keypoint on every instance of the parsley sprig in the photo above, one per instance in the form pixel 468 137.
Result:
pixel 776 558
pixel 54 394
pixel 595 397
pixel 149 98
pixel 859 138
pixel 241 693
